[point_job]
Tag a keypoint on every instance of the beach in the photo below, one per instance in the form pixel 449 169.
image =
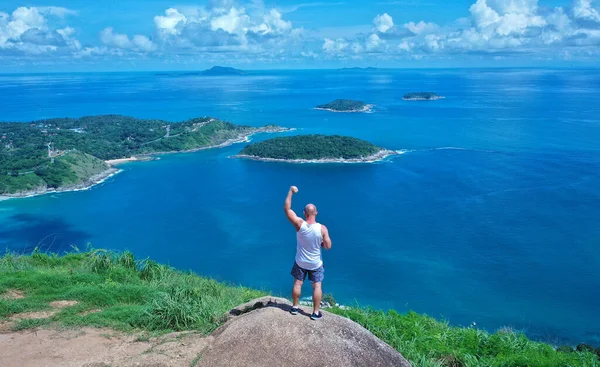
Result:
pixel 379 156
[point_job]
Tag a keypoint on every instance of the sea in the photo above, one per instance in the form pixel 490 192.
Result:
pixel 490 218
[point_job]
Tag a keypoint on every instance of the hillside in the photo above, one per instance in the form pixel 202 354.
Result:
pixel 60 152
pixel 110 309
pixel 311 147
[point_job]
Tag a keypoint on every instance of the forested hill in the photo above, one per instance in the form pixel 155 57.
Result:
pixel 27 150
pixel 311 147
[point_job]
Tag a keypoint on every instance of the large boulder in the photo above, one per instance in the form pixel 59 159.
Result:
pixel 263 333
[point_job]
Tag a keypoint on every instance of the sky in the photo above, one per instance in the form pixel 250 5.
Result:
pixel 139 35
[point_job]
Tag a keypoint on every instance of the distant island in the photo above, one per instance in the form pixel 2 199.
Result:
pixel 345 105
pixel 369 68
pixel 65 154
pixel 421 96
pixel 223 71
pixel 315 149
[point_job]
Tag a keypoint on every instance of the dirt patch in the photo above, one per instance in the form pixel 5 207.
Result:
pixel 5 326
pixel 62 304
pixel 32 315
pixel 85 313
pixel 90 348
pixel 12 294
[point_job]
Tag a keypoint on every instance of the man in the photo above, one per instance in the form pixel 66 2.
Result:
pixel 310 237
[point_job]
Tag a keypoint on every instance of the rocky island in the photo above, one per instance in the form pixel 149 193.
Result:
pixel 421 96
pixel 65 154
pixel 345 105
pixel 315 149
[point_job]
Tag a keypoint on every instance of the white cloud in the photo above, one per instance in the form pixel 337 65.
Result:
pixel 171 23
pixel 30 30
pixel 122 41
pixel 494 27
pixel 383 22
pixel 421 27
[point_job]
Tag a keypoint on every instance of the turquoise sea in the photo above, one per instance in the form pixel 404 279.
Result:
pixel 492 214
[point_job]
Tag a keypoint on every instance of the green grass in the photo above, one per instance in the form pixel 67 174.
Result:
pixel 426 341
pixel 130 294
pixel 135 295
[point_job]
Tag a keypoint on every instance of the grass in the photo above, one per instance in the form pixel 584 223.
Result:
pixel 130 294
pixel 426 342
pixel 134 295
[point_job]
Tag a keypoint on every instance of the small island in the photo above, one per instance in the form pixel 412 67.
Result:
pixel 421 96
pixel 345 105
pixel 66 154
pixel 223 71
pixel 315 149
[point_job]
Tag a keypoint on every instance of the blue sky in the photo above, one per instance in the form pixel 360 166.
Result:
pixel 75 35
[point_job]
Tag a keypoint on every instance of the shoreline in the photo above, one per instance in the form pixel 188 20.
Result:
pixel 366 109
pixel 85 185
pixel 111 170
pixel 379 156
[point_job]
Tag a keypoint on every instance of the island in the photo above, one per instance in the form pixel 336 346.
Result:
pixel 345 105
pixel 421 96
pixel 64 154
pixel 223 71
pixel 315 149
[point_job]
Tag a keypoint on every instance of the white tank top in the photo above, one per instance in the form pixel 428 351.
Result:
pixel 308 248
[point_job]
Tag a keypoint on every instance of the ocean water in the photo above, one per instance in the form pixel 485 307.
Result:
pixel 492 214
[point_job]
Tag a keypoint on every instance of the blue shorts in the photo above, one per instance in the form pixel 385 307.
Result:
pixel 314 276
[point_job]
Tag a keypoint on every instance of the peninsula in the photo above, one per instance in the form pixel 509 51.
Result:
pixel 421 96
pixel 65 154
pixel 315 149
pixel 345 105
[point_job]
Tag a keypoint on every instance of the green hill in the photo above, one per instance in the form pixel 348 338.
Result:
pixel 311 147
pixel 65 151
pixel 345 105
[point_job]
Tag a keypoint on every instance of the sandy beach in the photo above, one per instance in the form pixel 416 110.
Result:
pixel 114 162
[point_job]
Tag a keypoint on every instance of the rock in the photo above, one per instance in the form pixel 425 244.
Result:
pixel 263 333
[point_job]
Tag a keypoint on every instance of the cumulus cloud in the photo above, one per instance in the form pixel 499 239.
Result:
pixel 505 27
pixel 32 30
pixel 383 22
pixel 121 41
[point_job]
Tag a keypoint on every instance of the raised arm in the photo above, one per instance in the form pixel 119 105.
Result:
pixel 287 208
pixel 326 239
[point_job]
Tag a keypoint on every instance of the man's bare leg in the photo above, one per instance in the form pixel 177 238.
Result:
pixel 317 295
pixel 296 291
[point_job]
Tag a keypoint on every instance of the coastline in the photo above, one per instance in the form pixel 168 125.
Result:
pixel 366 109
pixel 111 171
pixel 85 185
pixel 379 156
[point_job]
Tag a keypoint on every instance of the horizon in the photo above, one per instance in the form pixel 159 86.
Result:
pixel 71 35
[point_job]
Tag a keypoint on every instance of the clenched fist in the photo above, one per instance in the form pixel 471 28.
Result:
pixel 294 189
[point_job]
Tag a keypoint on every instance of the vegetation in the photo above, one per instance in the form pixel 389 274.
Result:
pixel 63 151
pixel 311 147
pixel 421 96
pixel 428 342
pixel 129 295
pixel 344 105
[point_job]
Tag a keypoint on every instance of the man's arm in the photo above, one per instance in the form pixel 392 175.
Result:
pixel 287 208
pixel 326 239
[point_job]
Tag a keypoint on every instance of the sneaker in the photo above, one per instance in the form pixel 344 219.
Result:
pixel 315 316
pixel 294 310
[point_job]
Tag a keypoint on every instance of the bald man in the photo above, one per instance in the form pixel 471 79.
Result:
pixel 310 237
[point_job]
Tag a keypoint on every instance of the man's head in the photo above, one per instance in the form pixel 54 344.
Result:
pixel 310 211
